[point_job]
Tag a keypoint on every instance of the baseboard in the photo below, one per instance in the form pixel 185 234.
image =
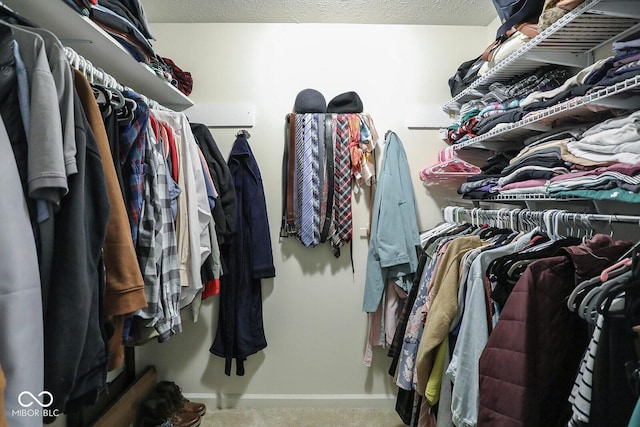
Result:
pixel 226 401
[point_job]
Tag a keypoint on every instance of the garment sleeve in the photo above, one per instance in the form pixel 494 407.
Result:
pixel 262 255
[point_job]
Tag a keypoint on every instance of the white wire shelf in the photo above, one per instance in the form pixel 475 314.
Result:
pixel 540 121
pixel 528 197
pixel 570 41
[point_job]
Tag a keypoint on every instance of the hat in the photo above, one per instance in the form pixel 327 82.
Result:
pixel 310 101
pixel 348 102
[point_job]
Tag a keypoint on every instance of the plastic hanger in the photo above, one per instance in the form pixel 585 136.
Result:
pixel 449 165
pixel 591 303
pixel 117 98
pixel 626 263
pixel 584 296
pixel 103 97
pixel 604 299
pixel 126 113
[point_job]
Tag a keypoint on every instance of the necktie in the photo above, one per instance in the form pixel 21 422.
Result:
pixel 306 183
pixel 315 179
pixel 297 172
pixel 342 184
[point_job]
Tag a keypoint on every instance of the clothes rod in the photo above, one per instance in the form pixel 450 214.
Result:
pixel 453 213
pixel 97 75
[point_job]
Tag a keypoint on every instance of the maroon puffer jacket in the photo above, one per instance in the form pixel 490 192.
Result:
pixel 531 359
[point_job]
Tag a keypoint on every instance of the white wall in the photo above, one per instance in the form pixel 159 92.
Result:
pixel 313 321
pixel 491 30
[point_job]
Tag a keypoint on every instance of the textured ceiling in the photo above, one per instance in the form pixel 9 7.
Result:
pixel 419 12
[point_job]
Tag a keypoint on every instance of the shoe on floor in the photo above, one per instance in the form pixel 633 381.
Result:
pixel 185 405
pixel 185 419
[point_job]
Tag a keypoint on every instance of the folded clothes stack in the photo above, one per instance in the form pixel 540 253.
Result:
pixel 599 162
pixel 126 22
pixel 181 79
pixel 505 103
pixel 502 104
pixel 509 42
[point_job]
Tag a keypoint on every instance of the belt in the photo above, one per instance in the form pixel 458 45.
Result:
pixel 288 165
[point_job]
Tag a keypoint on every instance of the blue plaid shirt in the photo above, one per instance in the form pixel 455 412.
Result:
pixel 132 159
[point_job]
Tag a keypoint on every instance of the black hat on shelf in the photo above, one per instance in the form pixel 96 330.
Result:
pixel 348 102
pixel 310 101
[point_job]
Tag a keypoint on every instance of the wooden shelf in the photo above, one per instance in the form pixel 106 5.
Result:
pixel 89 40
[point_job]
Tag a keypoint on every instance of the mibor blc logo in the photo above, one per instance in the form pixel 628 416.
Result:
pixel 35 405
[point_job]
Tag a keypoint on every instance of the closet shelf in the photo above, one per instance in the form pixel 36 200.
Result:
pixel 527 198
pixel 89 40
pixel 541 121
pixel 570 41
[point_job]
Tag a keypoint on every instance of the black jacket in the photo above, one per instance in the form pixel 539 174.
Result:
pixel 224 212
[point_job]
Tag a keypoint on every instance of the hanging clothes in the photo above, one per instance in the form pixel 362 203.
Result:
pixel 222 226
pixel 46 158
pixel 613 393
pixel 76 361
pixel 175 222
pixel 21 354
pixel 392 258
pixel 132 158
pixel 394 227
pixel 124 292
pixel 537 336
pixel 194 212
pixel 156 247
pixel 71 291
pixel 86 181
pixel 63 182
pixel 249 259
pixel 511 296
pixel 224 213
pixel 62 76
pixel 442 303
pixel 473 333
pixel 415 306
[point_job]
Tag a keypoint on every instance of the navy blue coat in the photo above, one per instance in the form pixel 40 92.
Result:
pixel 249 259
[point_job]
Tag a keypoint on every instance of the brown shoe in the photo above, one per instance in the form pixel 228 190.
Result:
pixel 185 419
pixel 183 404
pixel 193 407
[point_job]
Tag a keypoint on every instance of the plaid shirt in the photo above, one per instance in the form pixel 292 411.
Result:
pixel 157 249
pixel 132 159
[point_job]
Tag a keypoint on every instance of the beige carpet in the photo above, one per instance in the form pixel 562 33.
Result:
pixel 301 417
